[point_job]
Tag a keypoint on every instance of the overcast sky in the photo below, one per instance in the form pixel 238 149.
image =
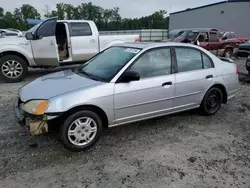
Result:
pixel 128 8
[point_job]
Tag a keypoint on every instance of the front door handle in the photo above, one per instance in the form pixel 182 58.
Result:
pixel 209 76
pixel 166 83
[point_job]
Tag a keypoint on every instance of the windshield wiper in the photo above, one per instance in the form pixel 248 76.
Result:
pixel 86 74
pixel 90 75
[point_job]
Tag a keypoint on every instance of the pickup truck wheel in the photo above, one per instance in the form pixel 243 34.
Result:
pixel 228 53
pixel 211 102
pixel 13 68
pixel 81 130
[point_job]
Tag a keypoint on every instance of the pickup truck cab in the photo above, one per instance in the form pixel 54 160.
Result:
pixel 53 43
pixel 210 40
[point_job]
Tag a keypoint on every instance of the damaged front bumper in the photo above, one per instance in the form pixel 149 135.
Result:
pixel 36 125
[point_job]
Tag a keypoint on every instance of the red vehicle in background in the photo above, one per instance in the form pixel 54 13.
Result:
pixel 210 40
pixel 230 35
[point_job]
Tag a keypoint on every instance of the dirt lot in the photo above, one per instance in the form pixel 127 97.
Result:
pixel 184 150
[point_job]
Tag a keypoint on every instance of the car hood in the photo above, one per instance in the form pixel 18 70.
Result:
pixel 245 45
pixel 13 41
pixel 54 84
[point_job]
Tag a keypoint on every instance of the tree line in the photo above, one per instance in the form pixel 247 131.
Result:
pixel 105 19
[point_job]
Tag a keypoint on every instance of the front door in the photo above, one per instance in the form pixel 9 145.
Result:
pixel 203 39
pixel 153 94
pixel 44 45
pixel 195 75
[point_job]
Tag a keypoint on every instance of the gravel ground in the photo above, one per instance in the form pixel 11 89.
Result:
pixel 183 150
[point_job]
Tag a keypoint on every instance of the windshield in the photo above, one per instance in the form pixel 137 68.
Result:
pixel 191 35
pixel 174 34
pixel 248 41
pixel 180 33
pixel 221 34
pixel 107 64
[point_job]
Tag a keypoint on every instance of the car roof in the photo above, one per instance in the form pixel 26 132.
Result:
pixel 143 45
pixel 190 29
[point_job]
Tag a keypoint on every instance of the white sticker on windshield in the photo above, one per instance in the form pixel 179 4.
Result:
pixel 132 50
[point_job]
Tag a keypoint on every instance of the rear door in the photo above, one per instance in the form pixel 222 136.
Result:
pixel 84 40
pixel 44 47
pixel 195 74
pixel 214 42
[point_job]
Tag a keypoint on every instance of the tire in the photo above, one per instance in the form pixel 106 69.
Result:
pixel 81 132
pixel 16 62
pixel 228 52
pixel 206 106
pixel 247 66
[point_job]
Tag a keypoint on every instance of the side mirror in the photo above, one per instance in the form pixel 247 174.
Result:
pixel 130 76
pixel 29 36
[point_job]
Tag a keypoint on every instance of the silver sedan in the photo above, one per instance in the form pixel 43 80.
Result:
pixel 124 84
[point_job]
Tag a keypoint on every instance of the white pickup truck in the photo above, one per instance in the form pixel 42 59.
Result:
pixel 53 43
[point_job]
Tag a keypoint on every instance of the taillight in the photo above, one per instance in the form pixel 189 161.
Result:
pixel 138 39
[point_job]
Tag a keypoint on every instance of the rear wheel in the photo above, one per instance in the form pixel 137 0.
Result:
pixel 13 68
pixel 81 130
pixel 212 101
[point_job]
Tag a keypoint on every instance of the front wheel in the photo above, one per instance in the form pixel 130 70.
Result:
pixel 81 130
pixel 13 68
pixel 228 53
pixel 211 102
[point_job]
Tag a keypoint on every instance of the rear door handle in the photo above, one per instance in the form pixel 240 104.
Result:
pixel 209 76
pixel 166 83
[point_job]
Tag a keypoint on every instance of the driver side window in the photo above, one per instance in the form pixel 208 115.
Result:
pixel 203 37
pixel 153 63
pixel 226 36
pixel 47 29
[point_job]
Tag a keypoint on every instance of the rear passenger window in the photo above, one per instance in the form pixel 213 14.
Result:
pixel 207 62
pixel 213 37
pixel 188 59
pixel 80 29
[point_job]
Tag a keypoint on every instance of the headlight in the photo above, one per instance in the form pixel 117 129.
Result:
pixel 36 107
